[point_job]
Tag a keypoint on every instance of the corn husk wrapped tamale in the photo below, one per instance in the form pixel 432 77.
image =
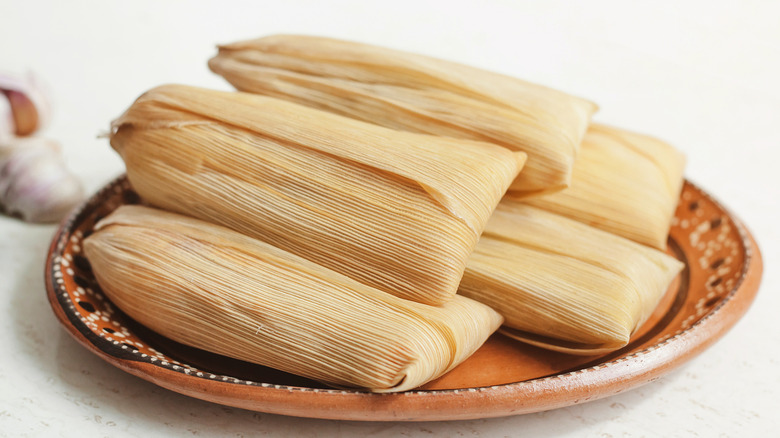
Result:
pixel 416 93
pixel 393 210
pixel 563 285
pixel 625 183
pixel 215 289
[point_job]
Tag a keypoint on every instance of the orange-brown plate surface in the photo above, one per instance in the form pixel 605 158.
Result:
pixel 721 278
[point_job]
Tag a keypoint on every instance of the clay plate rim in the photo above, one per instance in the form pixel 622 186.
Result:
pixel 559 390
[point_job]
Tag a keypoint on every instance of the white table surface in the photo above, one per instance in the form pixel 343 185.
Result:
pixel 702 75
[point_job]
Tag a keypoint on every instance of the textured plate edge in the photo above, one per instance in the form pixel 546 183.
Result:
pixel 583 385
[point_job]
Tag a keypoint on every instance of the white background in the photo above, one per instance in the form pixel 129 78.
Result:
pixel 702 75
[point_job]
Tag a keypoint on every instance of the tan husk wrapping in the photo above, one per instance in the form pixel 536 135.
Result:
pixel 563 285
pixel 212 288
pixel 393 210
pixel 416 93
pixel 625 183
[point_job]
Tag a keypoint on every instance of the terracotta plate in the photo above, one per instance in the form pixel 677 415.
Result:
pixel 723 270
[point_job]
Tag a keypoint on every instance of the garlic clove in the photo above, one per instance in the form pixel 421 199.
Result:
pixel 35 185
pixel 28 102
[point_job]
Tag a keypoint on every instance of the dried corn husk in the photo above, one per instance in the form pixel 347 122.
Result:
pixel 215 289
pixel 393 210
pixel 624 183
pixel 564 285
pixel 415 93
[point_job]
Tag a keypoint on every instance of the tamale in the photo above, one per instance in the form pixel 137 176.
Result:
pixel 563 285
pixel 218 290
pixel 624 183
pixel 393 210
pixel 416 93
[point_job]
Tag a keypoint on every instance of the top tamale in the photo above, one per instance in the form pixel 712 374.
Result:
pixel 416 93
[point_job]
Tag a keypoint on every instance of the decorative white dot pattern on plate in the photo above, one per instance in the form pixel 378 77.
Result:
pixel 718 251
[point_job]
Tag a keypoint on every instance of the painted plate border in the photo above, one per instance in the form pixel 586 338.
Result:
pixel 559 390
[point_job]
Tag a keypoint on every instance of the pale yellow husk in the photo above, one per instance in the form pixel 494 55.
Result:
pixel 416 93
pixel 625 183
pixel 215 289
pixel 393 210
pixel 563 285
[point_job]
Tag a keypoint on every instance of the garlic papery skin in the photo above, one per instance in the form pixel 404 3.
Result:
pixel 35 185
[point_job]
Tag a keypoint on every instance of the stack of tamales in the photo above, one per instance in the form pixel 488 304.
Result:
pixel 322 220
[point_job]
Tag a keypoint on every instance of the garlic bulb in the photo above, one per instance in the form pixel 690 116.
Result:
pixel 34 183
